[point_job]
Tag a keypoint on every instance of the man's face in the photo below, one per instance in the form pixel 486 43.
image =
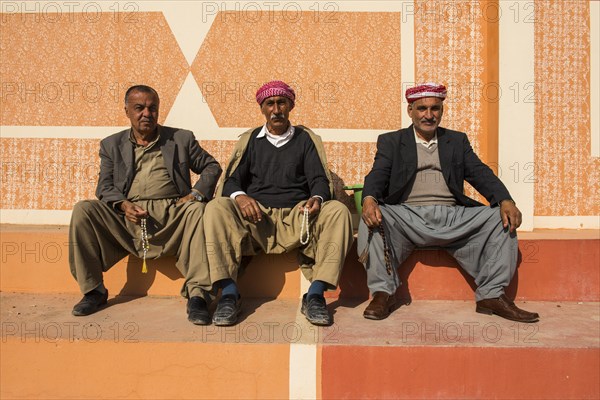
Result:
pixel 426 114
pixel 142 111
pixel 276 110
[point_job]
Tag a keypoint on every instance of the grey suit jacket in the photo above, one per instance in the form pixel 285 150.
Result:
pixel 395 166
pixel 181 153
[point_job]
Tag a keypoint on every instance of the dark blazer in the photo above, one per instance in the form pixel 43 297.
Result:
pixel 181 153
pixel 395 166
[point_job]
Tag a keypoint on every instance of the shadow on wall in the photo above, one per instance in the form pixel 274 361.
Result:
pixel 262 276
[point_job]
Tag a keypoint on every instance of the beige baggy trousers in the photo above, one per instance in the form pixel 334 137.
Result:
pixel 99 237
pixel 229 237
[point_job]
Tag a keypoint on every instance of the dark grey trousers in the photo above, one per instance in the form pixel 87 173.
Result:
pixel 474 236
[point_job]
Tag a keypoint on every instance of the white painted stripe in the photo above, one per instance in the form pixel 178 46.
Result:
pixel 190 22
pixel 303 371
pixel 568 222
pixel 517 115
pixel 595 76
pixel 35 217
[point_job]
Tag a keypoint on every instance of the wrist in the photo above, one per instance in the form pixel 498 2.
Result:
pixel 316 196
pixel 370 198
pixel 121 205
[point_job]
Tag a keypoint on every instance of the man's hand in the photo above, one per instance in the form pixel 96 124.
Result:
pixel 511 216
pixel 133 212
pixel 371 214
pixel 249 207
pixel 185 199
pixel 313 204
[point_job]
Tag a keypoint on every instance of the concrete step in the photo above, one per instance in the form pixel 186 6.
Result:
pixel 554 265
pixel 145 348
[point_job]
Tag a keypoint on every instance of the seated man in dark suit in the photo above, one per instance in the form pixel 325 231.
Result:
pixel 413 197
pixel 146 206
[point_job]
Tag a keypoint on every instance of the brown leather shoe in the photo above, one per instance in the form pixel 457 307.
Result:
pixel 381 306
pixel 505 308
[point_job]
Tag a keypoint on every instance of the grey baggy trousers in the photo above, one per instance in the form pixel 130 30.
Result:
pixel 474 236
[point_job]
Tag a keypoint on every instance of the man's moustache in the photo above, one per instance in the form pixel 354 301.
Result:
pixel 277 116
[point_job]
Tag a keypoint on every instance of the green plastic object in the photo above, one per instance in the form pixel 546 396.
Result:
pixel 357 196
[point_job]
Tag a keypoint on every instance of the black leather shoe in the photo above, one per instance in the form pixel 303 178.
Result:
pixel 314 309
pixel 197 311
pixel 91 302
pixel 228 310
pixel 381 306
pixel 505 308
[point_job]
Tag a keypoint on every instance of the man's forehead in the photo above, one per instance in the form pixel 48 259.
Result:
pixel 139 97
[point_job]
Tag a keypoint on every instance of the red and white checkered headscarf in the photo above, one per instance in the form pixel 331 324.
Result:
pixel 425 90
pixel 275 88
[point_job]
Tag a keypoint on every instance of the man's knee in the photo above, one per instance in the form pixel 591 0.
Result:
pixel 195 210
pixel 336 209
pixel 220 204
pixel 83 208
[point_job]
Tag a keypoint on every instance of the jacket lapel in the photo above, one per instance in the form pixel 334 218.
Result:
pixel 408 154
pixel 167 148
pixel 445 151
pixel 126 149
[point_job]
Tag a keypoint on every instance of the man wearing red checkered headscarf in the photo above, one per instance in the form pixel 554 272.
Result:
pixel 277 195
pixel 413 197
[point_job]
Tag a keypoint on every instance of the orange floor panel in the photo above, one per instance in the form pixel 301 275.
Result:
pixel 107 370
pixel 351 372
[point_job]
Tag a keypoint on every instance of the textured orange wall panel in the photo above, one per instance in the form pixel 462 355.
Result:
pixel 73 70
pixel 452 46
pixel 567 177
pixel 48 174
pixel 345 67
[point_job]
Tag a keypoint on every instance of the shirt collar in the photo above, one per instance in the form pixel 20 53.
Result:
pixel 265 132
pixel 150 145
pixel 424 142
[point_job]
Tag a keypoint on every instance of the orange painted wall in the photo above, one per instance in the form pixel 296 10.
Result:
pixel 71 70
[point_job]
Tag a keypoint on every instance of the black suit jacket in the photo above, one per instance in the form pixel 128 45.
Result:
pixel 395 166
pixel 181 153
